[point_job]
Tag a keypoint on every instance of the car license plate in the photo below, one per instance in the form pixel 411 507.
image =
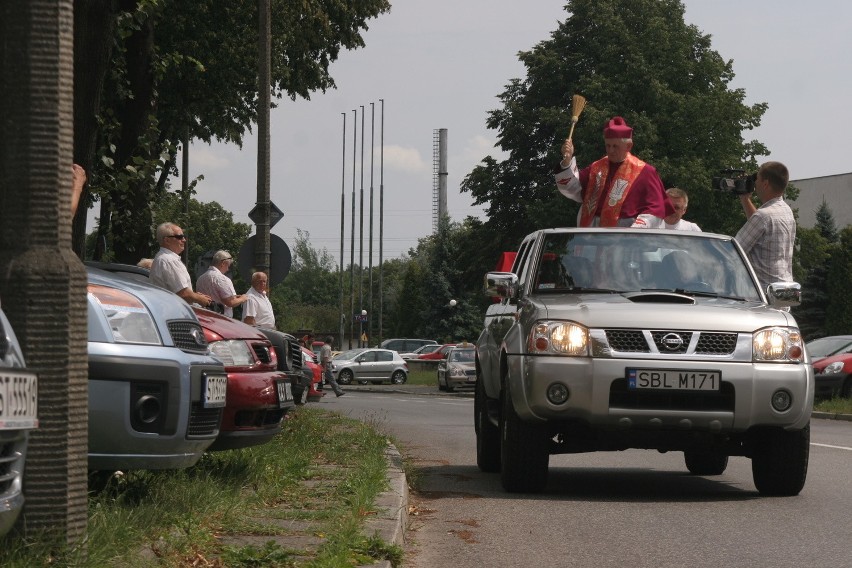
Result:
pixel 671 379
pixel 285 392
pixel 215 391
pixel 18 400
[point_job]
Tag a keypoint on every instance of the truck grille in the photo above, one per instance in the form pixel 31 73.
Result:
pixel 665 341
pixel 188 336
pixel 620 396
pixel 203 422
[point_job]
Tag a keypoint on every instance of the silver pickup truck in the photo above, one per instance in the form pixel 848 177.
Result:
pixel 611 339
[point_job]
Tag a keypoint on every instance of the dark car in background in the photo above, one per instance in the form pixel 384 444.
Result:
pixel 18 415
pixel 259 394
pixel 832 361
pixel 156 395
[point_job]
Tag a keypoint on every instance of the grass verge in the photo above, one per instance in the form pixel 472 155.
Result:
pixel 428 378
pixel 835 405
pixel 320 475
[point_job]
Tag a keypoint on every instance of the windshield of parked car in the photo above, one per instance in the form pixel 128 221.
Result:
pixel 827 346
pixel 461 356
pixel 643 261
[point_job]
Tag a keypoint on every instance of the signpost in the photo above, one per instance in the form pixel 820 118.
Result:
pixel 280 259
pixel 275 214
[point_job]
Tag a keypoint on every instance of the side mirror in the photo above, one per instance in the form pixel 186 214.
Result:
pixel 501 284
pixel 784 294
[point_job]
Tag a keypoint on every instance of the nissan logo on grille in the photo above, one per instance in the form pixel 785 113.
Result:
pixel 672 341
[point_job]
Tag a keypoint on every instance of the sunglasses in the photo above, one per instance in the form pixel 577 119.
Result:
pixel 178 237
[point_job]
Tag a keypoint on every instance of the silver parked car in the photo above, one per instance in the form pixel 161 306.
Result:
pixel 610 339
pixel 458 369
pixel 156 394
pixel 369 366
pixel 18 415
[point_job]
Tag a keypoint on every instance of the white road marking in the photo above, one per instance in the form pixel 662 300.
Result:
pixel 832 447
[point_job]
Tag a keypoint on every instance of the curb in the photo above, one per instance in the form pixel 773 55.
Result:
pixel 391 519
pixel 832 416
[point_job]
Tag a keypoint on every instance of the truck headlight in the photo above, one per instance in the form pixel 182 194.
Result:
pixel 559 338
pixel 778 344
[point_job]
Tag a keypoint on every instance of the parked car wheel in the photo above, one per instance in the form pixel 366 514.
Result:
pixel 524 452
pixel 441 386
pixel 487 435
pixel 779 465
pixel 705 462
pixel 398 378
pixel 345 377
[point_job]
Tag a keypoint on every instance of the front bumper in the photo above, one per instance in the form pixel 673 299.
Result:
pixel 599 397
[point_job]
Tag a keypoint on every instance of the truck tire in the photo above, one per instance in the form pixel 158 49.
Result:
pixel 705 462
pixel 487 434
pixel 524 451
pixel 779 464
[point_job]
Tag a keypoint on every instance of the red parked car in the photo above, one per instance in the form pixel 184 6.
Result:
pixel 438 354
pixel 310 365
pixel 259 395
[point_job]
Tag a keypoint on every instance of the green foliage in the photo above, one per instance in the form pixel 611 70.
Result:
pixel 814 254
pixel 839 316
pixel 633 58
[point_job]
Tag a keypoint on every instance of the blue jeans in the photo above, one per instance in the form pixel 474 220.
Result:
pixel 329 378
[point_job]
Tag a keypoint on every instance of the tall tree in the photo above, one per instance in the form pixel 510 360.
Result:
pixel 633 58
pixel 838 318
pixel 183 69
pixel 816 248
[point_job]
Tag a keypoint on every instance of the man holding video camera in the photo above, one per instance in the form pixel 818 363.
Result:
pixel 769 232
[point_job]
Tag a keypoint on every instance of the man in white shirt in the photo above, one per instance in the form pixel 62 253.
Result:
pixel 680 201
pixel 167 269
pixel 257 310
pixel 215 284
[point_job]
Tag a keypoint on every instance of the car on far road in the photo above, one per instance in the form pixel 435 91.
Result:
pixel 421 351
pixel 156 395
pixel 405 345
pixel 369 366
pixel 828 346
pixel 441 353
pixel 458 369
pixel 833 376
pixel 18 415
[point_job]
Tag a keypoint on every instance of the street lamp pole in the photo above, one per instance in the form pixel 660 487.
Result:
pixel 361 340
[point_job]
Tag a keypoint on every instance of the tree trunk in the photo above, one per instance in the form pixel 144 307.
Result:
pixel 42 282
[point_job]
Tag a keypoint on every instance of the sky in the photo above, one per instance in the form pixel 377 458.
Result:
pixel 442 64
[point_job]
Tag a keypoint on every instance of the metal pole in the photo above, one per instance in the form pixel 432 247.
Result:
pixel 342 223
pixel 184 191
pixel 370 272
pixel 361 237
pixel 381 222
pixel 262 245
pixel 352 238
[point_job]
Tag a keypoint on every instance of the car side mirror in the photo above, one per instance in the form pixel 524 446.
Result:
pixel 784 294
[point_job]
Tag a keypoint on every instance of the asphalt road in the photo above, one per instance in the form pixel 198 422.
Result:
pixel 635 508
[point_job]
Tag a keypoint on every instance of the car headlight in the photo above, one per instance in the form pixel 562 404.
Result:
pixel 129 319
pixel 456 371
pixel 559 338
pixel 833 368
pixel 778 344
pixel 232 353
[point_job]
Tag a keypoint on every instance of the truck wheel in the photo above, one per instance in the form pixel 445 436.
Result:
pixel 706 462
pixel 524 452
pixel 779 464
pixel 487 434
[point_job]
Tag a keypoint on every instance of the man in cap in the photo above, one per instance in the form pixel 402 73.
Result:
pixel 215 284
pixel 619 190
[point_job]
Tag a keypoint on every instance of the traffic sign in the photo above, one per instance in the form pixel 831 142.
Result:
pixel 275 214
pixel 280 259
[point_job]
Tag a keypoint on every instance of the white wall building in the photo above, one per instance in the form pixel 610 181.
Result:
pixel 835 190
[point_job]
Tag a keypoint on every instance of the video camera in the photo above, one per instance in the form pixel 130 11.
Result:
pixel 737 182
